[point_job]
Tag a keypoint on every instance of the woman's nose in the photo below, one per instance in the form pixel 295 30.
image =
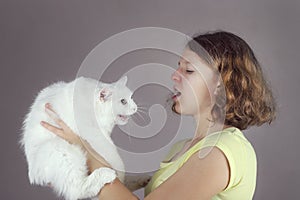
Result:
pixel 176 76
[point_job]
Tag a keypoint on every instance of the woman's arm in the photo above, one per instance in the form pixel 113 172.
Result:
pixel 196 179
pixel 116 191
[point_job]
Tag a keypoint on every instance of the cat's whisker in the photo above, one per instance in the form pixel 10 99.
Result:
pixel 141 116
pixel 139 104
pixel 134 116
pixel 143 106
pixel 130 128
pixel 143 111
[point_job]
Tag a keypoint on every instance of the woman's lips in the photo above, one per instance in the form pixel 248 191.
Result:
pixel 176 94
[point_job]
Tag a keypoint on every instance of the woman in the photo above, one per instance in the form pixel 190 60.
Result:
pixel 223 88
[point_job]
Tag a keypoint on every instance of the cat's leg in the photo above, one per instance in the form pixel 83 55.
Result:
pixel 67 172
pixel 61 165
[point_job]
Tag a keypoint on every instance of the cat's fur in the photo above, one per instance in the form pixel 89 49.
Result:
pixel 91 109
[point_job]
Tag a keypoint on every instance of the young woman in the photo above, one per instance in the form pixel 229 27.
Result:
pixel 223 88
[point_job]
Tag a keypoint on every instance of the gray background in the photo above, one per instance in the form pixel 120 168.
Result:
pixel 45 41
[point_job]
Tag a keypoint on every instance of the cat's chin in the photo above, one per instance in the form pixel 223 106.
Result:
pixel 122 119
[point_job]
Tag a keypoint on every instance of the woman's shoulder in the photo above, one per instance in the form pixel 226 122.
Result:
pixel 239 153
pixel 232 142
pixel 231 137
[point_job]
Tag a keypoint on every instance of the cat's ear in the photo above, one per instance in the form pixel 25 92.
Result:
pixel 105 94
pixel 122 81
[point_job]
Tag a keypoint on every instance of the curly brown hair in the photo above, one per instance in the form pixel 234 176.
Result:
pixel 249 100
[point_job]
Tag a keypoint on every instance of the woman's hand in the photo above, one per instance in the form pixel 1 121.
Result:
pixel 65 132
pixel 94 160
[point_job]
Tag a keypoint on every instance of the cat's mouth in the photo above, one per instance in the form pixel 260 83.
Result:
pixel 123 118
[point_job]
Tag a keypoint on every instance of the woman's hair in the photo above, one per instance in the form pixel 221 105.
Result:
pixel 249 100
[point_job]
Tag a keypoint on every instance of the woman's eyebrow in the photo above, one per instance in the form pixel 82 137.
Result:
pixel 185 62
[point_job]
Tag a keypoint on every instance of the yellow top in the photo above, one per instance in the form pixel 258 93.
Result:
pixel 239 153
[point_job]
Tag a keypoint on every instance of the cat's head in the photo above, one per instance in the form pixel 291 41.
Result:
pixel 118 99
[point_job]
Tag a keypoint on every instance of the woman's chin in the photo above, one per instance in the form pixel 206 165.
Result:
pixel 177 108
pixel 180 110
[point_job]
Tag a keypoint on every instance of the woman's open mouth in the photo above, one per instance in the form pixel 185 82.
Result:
pixel 176 94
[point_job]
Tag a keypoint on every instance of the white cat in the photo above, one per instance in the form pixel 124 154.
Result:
pixel 91 109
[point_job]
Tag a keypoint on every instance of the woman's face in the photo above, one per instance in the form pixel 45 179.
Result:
pixel 194 84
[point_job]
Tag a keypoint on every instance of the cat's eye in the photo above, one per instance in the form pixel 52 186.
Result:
pixel 123 101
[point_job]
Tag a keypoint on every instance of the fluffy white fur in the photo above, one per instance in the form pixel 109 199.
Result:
pixel 91 109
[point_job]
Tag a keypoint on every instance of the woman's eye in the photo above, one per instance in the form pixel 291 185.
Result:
pixel 123 101
pixel 189 71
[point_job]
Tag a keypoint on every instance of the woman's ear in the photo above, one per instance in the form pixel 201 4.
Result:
pixel 218 87
pixel 220 94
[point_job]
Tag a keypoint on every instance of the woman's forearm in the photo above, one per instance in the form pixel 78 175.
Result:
pixel 116 191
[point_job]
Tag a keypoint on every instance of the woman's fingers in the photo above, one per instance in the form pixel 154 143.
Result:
pixel 64 131
pixel 57 131
pixel 53 115
pixel 67 135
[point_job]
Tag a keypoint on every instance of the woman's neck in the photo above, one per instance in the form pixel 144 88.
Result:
pixel 204 126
